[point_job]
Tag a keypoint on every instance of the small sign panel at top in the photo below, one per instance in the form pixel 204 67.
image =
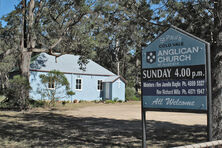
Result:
pixel 174 73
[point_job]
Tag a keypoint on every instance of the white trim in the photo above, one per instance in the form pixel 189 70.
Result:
pixel 81 84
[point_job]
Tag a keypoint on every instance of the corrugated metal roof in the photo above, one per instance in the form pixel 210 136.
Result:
pixel 68 64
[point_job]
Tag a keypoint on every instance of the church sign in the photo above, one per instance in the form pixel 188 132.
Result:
pixel 175 72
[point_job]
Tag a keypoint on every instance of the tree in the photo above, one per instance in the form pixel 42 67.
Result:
pixel 204 21
pixel 217 71
pixel 123 26
pixel 55 84
pixel 7 60
pixel 49 26
pixel 14 92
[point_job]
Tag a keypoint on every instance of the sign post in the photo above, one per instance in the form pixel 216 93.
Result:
pixel 144 128
pixel 176 75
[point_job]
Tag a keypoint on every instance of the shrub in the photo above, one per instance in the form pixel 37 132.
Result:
pixel 38 103
pixel 130 91
pixel 57 82
pixel 109 101
pixel 134 98
pixel 130 94
pixel 63 103
pixel 75 101
pixel 116 99
pixel 97 101
pixel 2 98
pixel 120 101
pixel 82 101
pixel 15 93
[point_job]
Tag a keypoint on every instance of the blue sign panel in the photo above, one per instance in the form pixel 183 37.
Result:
pixel 174 73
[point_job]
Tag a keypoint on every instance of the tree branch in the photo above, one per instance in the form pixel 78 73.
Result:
pixel 218 56
pixel 152 23
pixel 39 12
pixel 46 50
pixel 38 50
pixel 56 43
pixel 72 23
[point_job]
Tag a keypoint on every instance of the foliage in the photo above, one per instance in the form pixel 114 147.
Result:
pixel 82 101
pixel 14 91
pixel 75 101
pixel 64 102
pixel 119 101
pixel 116 99
pixel 131 94
pixel 2 98
pixel 97 101
pixel 38 103
pixel 7 61
pixel 109 101
pixel 134 98
pixel 60 84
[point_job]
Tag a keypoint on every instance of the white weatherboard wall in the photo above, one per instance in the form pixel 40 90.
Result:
pixel 88 92
pixel 89 89
pixel 118 89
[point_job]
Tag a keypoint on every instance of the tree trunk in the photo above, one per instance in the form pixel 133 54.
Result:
pixel 25 54
pixel 24 67
pixel 217 73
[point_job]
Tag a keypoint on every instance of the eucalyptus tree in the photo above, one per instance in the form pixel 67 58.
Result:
pixel 123 26
pixel 7 60
pixel 53 26
pixel 203 19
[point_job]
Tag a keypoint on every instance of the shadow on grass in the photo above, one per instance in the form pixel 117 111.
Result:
pixel 47 129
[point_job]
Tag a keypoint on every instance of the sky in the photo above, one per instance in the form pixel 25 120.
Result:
pixel 7 6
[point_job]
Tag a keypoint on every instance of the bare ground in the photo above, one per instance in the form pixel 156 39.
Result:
pixel 99 125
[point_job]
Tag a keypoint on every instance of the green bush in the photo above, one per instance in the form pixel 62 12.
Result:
pixel 82 101
pixel 2 98
pixel 131 94
pixel 38 103
pixel 64 102
pixel 15 95
pixel 116 99
pixel 58 80
pixel 134 98
pixel 97 101
pixel 120 101
pixel 109 101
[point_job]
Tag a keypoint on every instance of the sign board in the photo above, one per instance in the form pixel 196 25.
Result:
pixel 174 72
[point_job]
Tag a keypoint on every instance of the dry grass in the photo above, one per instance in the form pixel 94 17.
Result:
pixel 67 106
pixel 65 126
